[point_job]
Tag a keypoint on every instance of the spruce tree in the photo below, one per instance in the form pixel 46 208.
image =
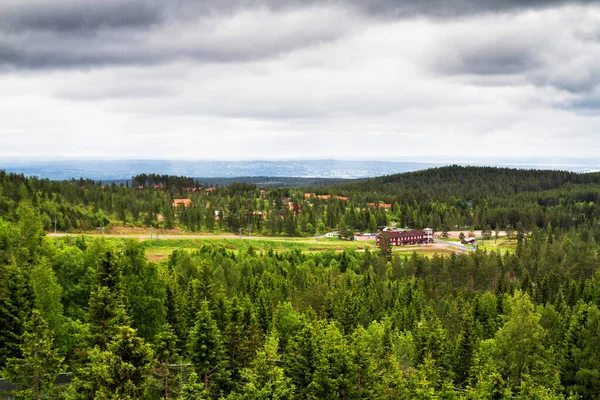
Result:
pixel 485 380
pixel 205 346
pixel 166 353
pixel 34 374
pixel 465 347
pixel 122 371
pixel 521 346
pixel 107 308
pixel 302 357
pixel 367 384
pixel 265 380
pixel 16 301
pixel 48 295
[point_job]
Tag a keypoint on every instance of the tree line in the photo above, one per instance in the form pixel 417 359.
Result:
pixel 446 198
pixel 284 325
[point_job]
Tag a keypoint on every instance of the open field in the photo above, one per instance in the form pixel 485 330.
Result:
pixel 502 244
pixel 160 249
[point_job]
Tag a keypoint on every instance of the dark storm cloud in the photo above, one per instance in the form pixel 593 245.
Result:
pixel 80 17
pixel 454 8
pixel 50 34
pixel 68 34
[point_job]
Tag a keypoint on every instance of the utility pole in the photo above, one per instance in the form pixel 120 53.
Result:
pixel 240 229
pixel 55 223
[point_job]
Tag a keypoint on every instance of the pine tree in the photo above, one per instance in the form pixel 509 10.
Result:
pixel 48 295
pixel 367 384
pixel 432 341
pixel 521 346
pixel 265 380
pixel 107 310
pixel 144 291
pixel 166 353
pixel 581 352
pixel 122 371
pixel 16 300
pixel 486 382
pixel 334 373
pixel 31 233
pixel 465 347
pixel 302 357
pixel 205 346
pixel 40 364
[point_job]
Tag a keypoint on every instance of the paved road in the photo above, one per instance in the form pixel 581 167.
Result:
pixel 458 246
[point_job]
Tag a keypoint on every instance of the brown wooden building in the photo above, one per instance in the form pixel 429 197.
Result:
pixel 406 238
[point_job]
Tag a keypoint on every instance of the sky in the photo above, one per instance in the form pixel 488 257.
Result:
pixel 275 79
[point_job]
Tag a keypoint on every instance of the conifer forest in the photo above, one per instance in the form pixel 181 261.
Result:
pixel 91 317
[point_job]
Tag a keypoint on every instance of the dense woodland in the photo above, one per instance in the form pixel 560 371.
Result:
pixel 442 198
pixel 220 324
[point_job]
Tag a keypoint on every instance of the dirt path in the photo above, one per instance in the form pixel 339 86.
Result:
pixel 456 234
pixel 177 236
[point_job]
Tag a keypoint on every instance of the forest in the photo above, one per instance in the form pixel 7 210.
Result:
pixel 214 323
pixel 445 198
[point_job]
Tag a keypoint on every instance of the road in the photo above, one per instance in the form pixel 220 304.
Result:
pixel 185 236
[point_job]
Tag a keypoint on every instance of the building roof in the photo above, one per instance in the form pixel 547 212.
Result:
pixel 181 202
pixel 405 234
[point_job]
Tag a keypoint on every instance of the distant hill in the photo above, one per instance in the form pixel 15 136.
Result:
pixel 122 170
pixel 469 182
pixel 263 182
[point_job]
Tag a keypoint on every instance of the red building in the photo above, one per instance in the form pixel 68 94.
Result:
pixel 181 202
pixel 399 238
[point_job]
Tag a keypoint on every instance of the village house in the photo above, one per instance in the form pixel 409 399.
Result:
pixel 181 202
pixel 295 207
pixel 405 238
pixel 468 240
pixel 307 196
pixel 385 206
pixel 281 213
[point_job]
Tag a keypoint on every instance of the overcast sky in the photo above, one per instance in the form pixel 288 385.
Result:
pixel 361 79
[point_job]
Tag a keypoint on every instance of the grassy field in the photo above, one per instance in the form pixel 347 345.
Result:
pixel 161 250
pixel 501 244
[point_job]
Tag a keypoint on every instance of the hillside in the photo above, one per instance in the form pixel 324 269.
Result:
pixel 470 182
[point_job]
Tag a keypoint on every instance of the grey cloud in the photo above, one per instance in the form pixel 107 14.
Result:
pixel 64 34
pixel 495 57
pixel 557 51
pixel 86 34
pixel 78 17
pixel 587 104
pixel 456 8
